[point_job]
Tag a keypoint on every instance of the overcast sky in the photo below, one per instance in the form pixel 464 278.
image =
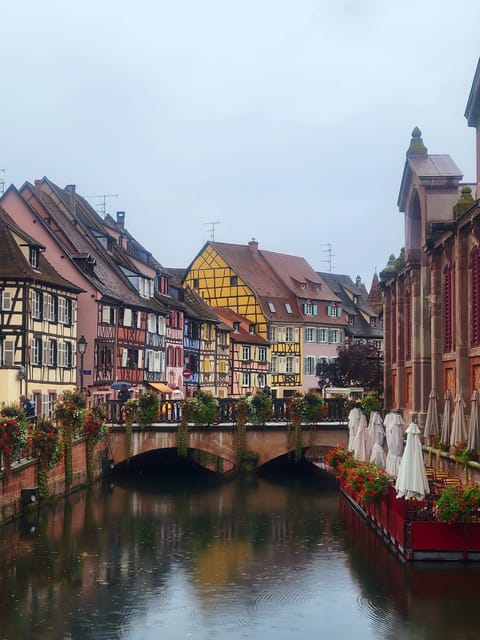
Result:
pixel 283 120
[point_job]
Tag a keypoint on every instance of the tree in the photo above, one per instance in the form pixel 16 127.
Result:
pixel 358 364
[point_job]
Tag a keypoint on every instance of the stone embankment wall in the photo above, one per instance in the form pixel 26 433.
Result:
pixel 22 477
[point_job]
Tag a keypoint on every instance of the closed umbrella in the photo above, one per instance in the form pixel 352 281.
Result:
pixel 374 418
pixel 394 425
pixel 431 429
pixel 377 455
pixel 474 428
pixel 459 425
pixel 359 442
pixel 447 412
pixel 412 482
pixel 353 423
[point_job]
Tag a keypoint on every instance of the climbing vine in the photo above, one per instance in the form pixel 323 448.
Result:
pixel 131 410
pixel 94 430
pixel 70 411
pixel 47 446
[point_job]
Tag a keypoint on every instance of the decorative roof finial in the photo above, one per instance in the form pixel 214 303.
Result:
pixel 417 148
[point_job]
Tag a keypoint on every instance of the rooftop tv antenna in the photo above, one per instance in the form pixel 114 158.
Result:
pixel 102 205
pixel 211 228
pixel 329 256
pixel 2 183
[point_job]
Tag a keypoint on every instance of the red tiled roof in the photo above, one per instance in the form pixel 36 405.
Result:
pixel 243 334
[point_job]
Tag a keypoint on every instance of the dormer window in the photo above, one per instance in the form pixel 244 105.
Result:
pixel 303 286
pixel 288 308
pixel 271 306
pixel 351 319
pixel 355 299
pixel 251 329
pixel 236 327
pixel 34 257
pixel 318 287
pixel 333 311
pixel 373 322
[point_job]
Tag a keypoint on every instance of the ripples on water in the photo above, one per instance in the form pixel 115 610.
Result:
pixel 279 557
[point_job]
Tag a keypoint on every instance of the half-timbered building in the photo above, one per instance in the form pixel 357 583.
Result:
pixel 38 322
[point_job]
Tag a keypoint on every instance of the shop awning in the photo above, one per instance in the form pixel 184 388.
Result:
pixel 159 386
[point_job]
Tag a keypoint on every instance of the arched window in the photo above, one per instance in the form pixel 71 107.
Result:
pixel 447 309
pixel 475 337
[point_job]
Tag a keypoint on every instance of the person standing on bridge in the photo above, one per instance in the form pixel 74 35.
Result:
pixel 177 397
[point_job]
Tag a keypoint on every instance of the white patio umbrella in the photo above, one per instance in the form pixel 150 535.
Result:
pixel 459 425
pixel 359 442
pixel 447 412
pixel 394 425
pixel 412 483
pixel 377 455
pixel 431 429
pixel 353 424
pixel 474 428
pixel 374 419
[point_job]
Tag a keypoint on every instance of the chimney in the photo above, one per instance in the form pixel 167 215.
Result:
pixel 70 189
pixel 253 247
pixel 121 219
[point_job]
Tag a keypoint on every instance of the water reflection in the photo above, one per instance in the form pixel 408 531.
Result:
pixel 246 559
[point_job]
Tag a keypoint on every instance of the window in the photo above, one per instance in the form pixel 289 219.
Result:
pixel 50 353
pixel 309 334
pixel 236 327
pixel 233 281
pixel 64 311
pixel 8 355
pixel 272 334
pixel 309 365
pixel 288 308
pixel 271 306
pixel 152 323
pixel 195 283
pixel 334 336
pixel 289 364
pixel 36 352
pixel 303 286
pixel 310 309
pixel 245 352
pixel 65 354
pixel 355 299
pixel 50 304
pixel 373 322
pixel 262 354
pixel 127 317
pixel 262 380
pixel 274 364
pixel 288 334
pixel 351 320
pixel 245 379
pixel 322 335
pixel 108 314
pixel 334 311
pixel 37 305
pixel 6 301
pixel 251 329
pixel 34 257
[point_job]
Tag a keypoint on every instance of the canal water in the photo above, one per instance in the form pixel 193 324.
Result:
pixel 186 556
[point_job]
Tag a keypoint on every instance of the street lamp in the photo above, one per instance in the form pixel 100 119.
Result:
pixel 81 348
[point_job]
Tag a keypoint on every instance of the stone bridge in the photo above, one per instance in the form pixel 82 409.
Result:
pixel 266 443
